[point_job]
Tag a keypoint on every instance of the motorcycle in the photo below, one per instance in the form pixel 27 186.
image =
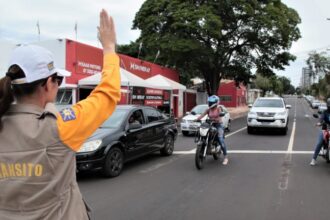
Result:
pixel 326 144
pixel 325 147
pixel 207 143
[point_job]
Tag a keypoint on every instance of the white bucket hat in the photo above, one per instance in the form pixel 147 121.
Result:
pixel 36 62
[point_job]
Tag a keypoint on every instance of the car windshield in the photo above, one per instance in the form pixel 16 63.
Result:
pixel 271 103
pixel 115 119
pixel 199 109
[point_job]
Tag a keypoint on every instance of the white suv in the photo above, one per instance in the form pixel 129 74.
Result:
pixel 268 112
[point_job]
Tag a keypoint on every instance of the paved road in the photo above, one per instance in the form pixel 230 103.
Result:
pixel 268 177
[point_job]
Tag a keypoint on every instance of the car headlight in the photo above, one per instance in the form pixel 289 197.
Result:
pixel 281 113
pixel 252 114
pixel 90 146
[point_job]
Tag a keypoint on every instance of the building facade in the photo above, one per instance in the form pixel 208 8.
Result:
pixel 231 95
pixel 85 61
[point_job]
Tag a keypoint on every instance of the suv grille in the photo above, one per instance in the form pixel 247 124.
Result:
pixel 265 114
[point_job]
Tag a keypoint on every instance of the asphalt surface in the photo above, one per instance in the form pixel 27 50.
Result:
pixel 268 177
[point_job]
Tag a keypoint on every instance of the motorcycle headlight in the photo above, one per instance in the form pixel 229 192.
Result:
pixel 203 131
pixel 90 146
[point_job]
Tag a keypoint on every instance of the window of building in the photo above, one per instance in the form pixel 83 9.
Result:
pixel 225 98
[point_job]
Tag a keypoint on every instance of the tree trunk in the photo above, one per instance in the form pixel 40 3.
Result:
pixel 215 84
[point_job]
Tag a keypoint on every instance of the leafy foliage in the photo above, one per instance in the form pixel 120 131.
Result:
pixel 217 39
pixel 318 63
pixel 279 85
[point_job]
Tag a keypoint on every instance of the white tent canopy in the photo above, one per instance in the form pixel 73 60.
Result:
pixel 127 79
pixel 163 82
pixel 64 83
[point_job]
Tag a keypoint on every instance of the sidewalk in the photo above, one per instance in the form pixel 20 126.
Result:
pixel 238 112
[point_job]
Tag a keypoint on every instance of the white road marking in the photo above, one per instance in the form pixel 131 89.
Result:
pixel 252 152
pixel 193 151
pixel 156 166
pixel 286 165
pixel 235 132
pixel 290 146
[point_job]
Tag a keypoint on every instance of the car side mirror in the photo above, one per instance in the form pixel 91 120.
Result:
pixel 133 126
pixel 288 106
pixel 222 114
pixel 315 115
pixel 250 105
pixel 193 113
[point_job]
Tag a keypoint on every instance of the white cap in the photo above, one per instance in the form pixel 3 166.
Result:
pixel 36 62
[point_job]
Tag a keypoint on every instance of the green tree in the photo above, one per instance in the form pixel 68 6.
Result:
pixel 286 83
pixel 263 83
pixel 276 85
pixel 318 63
pixel 218 38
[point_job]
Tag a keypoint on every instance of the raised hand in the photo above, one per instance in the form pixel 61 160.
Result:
pixel 107 33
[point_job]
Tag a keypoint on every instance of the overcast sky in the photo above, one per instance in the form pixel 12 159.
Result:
pixel 57 18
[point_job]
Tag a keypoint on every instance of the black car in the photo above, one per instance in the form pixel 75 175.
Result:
pixel 130 132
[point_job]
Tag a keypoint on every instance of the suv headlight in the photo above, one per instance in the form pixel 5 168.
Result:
pixel 252 114
pixel 90 146
pixel 281 113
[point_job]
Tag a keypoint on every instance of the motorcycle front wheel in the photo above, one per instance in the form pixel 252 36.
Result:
pixel 217 155
pixel 199 157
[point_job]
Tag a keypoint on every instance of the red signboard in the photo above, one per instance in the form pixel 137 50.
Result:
pixel 82 60
pixel 154 91
pixel 88 61
pixel 153 102
pixel 145 69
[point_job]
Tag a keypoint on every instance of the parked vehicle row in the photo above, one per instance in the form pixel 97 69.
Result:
pixel 315 103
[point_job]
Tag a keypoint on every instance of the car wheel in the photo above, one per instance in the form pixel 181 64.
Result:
pixel 114 162
pixel 249 130
pixel 285 130
pixel 185 133
pixel 168 148
pixel 228 126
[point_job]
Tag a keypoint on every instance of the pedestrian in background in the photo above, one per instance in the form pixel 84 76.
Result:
pixel 38 144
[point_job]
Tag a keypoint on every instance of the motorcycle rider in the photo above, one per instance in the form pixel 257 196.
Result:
pixel 325 118
pixel 213 113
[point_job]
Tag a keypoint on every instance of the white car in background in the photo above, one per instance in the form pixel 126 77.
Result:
pixel 315 103
pixel 268 112
pixel 322 107
pixel 189 126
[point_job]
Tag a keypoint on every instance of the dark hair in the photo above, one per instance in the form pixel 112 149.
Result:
pixel 8 91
